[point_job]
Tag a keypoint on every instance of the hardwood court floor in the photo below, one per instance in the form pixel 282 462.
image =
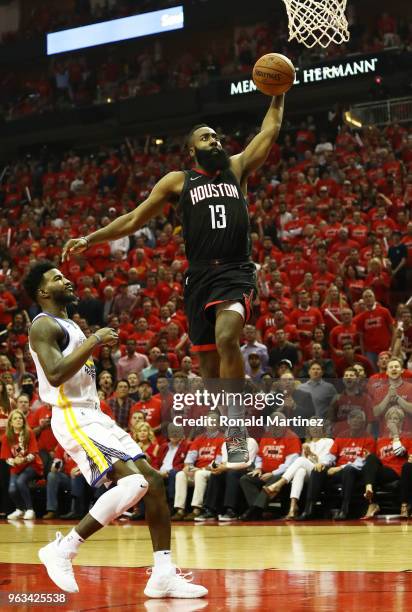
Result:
pixel 316 567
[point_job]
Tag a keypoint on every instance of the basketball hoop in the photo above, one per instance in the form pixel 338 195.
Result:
pixel 317 22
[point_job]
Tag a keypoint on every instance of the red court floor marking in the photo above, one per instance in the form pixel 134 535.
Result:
pixel 121 590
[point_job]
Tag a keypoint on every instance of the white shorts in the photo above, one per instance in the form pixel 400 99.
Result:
pixel 93 440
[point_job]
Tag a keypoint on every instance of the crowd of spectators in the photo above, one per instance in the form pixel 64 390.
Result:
pixel 371 36
pixel 80 80
pixel 331 237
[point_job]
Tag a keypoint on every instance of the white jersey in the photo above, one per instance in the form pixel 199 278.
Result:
pixel 80 390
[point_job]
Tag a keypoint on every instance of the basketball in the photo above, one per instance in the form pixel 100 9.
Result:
pixel 273 74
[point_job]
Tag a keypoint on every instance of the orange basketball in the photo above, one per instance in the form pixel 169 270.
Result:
pixel 273 74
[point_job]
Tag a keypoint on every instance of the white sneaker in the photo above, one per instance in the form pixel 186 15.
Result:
pixel 59 568
pixel 16 514
pixel 174 584
pixel 29 515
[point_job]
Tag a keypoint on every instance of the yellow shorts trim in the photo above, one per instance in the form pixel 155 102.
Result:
pixel 78 434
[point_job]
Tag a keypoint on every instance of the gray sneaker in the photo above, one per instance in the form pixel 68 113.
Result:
pixel 237 451
pixel 228 516
pixel 207 515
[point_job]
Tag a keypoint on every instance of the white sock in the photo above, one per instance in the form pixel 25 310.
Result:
pixel 162 561
pixel 70 544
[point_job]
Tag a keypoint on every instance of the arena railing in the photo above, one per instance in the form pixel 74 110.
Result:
pixel 395 110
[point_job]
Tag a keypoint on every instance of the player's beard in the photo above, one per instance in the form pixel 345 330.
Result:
pixel 212 160
pixel 64 298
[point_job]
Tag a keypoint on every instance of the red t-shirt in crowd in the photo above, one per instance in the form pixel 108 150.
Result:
pixel 45 440
pixel 341 334
pixel 321 281
pixel 143 340
pixel 125 331
pixel 264 322
pixel 7 300
pixel 207 449
pixel 384 451
pixel 99 256
pixel 164 291
pixel 347 450
pixel 273 451
pixel 355 286
pixel 152 410
pixel 306 320
pixel 296 271
pixel 359 233
pixel 380 284
pixel 375 325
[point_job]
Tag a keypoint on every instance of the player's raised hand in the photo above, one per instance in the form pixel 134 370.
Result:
pixel 74 246
pixel 107 335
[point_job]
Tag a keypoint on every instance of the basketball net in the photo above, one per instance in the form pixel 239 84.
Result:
pixel 317 22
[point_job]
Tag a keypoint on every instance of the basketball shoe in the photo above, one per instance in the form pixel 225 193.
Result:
pixel 173 584
pixel 58 565
pixel 236 445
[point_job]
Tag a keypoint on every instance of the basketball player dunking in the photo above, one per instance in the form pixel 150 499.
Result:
pixel 220 282
pixel 104 452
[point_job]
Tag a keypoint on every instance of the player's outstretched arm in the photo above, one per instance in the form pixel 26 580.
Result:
pixel 168 186
pixel 257 151
pixel 44 339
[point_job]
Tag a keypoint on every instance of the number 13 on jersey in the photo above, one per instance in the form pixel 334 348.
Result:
pixel 218 216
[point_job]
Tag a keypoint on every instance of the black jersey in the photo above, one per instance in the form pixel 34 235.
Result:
pixel 215 217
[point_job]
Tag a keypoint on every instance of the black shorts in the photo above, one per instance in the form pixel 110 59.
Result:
pixel 208 285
